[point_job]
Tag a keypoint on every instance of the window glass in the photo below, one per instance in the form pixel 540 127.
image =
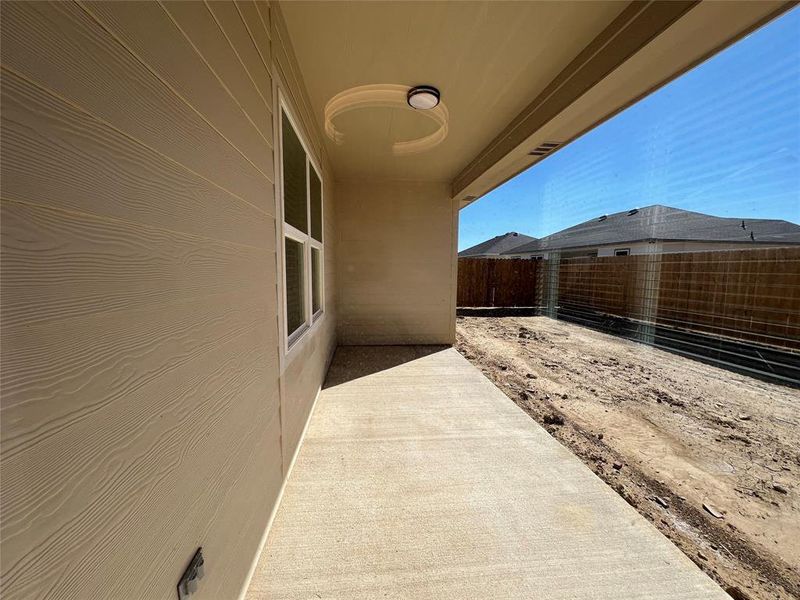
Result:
pixel 302 235
pixel 316 280
pixel 315 192
pixel 295 292
pixel 295 211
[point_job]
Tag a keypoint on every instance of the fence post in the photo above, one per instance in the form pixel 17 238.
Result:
pixel 551 294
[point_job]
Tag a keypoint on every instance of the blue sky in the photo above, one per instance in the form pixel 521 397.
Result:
pixel 723 139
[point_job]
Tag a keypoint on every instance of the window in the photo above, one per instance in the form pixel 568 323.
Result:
pixel 301 195
pixel 295 288
pixel 622 251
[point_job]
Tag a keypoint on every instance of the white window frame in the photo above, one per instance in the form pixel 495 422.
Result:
pixel 292 340
pixel 627 251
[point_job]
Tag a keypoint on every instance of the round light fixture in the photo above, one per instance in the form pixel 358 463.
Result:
pixel 423 97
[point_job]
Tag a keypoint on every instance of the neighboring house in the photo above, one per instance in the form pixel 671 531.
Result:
pixel 496 246
pixel 188 236
pixel 661 229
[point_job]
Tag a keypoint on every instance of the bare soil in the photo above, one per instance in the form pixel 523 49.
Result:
pixel 711 457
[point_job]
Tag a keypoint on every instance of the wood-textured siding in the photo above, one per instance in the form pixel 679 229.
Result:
pixel 304 374
pixel 145 407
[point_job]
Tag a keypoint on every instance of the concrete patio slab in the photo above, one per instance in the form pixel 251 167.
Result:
pixel 418 478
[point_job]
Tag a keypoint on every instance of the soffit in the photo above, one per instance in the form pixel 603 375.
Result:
pixel 489 59
pixel 707 28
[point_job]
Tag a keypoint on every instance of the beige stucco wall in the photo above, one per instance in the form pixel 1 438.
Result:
pixel 146 407
pixel 396 252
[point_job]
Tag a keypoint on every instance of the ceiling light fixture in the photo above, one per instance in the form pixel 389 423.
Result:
pixel 385 95
pixel 423 97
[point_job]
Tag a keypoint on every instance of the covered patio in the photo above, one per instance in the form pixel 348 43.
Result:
pixel 202 202
pixel 418 478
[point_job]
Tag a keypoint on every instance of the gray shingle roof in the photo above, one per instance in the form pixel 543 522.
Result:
pixel 659 222
pixel 498 244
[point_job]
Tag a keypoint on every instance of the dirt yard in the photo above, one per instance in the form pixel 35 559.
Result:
pixel 711 457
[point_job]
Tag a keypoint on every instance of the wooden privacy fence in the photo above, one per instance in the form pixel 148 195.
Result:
pixel 744 294
pixel 751 295
pixel 497 282
pixel 606 285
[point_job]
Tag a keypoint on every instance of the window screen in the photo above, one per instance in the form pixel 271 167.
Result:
pixel 677 222
pixel 315 196
pixel 295 293
pixel 295 211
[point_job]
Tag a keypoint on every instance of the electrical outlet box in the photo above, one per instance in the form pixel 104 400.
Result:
pixel 191 576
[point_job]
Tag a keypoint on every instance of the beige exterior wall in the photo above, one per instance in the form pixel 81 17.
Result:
pixel 146 406
pixel 396 252
pixel 303 370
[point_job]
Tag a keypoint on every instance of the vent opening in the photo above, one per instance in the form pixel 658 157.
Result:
pixel 544 148
pixel 603 218
pixel 633 211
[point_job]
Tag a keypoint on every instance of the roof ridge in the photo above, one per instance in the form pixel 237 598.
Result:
pixel 662 222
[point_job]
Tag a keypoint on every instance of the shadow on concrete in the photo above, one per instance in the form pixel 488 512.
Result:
pixel 354 362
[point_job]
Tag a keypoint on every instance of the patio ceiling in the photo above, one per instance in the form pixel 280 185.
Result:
pixel 511 74
pixel 488 59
